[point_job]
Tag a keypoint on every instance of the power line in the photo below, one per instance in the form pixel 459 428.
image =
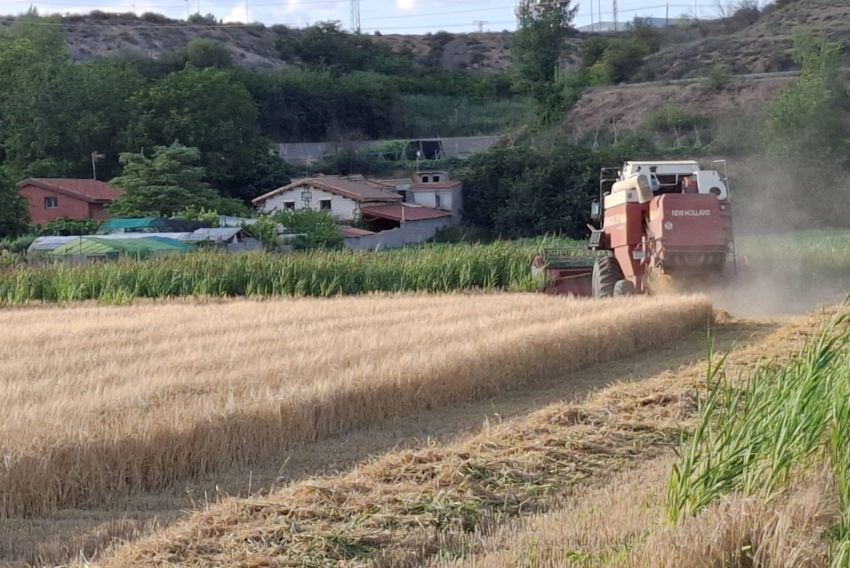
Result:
pixel 435 13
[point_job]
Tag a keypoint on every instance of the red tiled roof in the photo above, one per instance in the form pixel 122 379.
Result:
pixel 433 186
pixel 87 189
pixel 347 231
pixel 356 190
pixel 394 211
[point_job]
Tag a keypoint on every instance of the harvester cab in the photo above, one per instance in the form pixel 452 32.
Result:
pixel 656 221
pixel 670 219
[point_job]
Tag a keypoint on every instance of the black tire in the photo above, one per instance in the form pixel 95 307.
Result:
pixel 624 288
pixel 606 274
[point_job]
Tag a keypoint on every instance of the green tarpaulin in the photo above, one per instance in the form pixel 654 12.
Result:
pixel 138 224
pixel 95 246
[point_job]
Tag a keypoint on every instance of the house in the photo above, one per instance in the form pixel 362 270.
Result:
pixel 430 189
pixel 342 197
pixel 54 198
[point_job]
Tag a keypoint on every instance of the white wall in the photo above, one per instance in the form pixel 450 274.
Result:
pixel 342 208
pixel 450 200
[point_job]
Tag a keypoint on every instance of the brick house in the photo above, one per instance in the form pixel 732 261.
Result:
pixel 54 198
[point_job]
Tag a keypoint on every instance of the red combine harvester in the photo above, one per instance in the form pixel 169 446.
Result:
pixel 658 220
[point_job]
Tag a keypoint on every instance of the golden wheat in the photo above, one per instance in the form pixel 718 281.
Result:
pixel 100 402
pixel 414 506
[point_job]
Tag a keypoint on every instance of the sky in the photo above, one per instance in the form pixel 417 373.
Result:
pixel 387 16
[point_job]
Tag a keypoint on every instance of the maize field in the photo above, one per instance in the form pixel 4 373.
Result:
pixel 431 268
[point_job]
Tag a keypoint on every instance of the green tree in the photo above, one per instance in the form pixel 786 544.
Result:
pixel 319 227
pixel 13 213
pixel 208 110
pixel 54 113
pixel 536 46
pixel 806 134
pixel 169 182
pixel 201 53
pixel 536 49
pixel 803 122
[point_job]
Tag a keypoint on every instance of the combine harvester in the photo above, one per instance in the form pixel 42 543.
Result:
pixel 659 222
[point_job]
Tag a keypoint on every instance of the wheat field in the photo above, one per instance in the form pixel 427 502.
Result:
pixel 102 402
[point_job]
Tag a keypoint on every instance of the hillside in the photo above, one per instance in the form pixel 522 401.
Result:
pixel 761 47
pixel 630 106
pixel 746 42
pixel 99 35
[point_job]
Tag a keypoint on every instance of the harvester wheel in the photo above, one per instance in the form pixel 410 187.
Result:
pixel 606 274
pixel 624 288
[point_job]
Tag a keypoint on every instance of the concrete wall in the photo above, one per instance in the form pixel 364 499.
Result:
pixel 411 232
pixel 342 208
pixel 461 147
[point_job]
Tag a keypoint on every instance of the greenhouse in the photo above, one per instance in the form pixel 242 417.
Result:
pixel 95 248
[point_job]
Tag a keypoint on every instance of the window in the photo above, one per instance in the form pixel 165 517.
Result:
pixel 425 179
pixel 437 201
pixel 288 205
pixel 325 204
pixel 51 202
pixel 403 194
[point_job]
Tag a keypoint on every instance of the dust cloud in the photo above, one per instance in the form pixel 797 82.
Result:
pixel 775 294
pixel 776 276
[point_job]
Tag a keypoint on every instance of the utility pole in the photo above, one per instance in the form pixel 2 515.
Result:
pixel 247 19
pixel 95 156
pixel 592 23
pixel 355 16
pixel 614 12
pixel 599 12
pixel 480 24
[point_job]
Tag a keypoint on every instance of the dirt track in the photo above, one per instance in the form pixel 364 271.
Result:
pixel 431 425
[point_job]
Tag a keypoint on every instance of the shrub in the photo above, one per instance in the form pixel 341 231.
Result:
pixel 718 77
pixel 155 18
pixel 69 227
pixel 671 117
pixel 208 20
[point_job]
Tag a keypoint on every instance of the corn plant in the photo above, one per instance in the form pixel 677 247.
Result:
pixel 751 437
pixel 432 268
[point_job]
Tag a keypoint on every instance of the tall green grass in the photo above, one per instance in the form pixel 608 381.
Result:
pixel 432 268
pixel 823 252
pixel 751 438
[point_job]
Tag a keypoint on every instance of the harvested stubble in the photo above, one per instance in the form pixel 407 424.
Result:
pixel 622 525
pixel 411 505
pixel 101 402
